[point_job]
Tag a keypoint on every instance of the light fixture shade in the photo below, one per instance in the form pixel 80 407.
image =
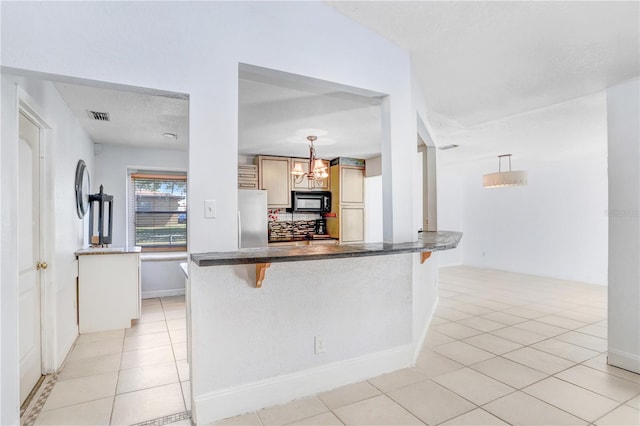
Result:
pixel 502 179
pixel 319 165
pixel 297 170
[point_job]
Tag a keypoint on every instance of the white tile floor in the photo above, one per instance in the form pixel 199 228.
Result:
pixel 125 376
pixel 503 348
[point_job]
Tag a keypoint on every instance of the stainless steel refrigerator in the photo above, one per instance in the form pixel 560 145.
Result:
pixel 252 218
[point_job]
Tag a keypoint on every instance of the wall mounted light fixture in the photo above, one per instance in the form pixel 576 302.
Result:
pixel 502 179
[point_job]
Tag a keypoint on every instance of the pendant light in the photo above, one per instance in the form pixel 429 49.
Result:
pixel 317 168
pixel 502 179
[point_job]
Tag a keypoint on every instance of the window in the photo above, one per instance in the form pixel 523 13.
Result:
pixel 158 211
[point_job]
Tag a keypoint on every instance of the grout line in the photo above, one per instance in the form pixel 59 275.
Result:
pixel 175 360
pixel 554 374
pixel 165 420
pixel 115 391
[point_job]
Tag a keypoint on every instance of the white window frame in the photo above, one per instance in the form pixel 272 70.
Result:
pixel 131 204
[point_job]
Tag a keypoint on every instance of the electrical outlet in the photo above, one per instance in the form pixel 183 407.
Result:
pixel 320 346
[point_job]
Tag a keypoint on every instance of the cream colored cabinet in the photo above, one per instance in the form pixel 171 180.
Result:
pixel 108 289
pixel 274 175
pixel 304 184
pixel 351 185
pixel 351 224
pixel 347 201
pixel 247 176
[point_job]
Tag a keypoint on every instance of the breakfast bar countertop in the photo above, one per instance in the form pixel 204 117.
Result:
pixel 427 242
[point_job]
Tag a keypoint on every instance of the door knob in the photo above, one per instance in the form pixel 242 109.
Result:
pixel 41 265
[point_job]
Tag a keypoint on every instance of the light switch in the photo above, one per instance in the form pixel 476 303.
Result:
pixel 210 209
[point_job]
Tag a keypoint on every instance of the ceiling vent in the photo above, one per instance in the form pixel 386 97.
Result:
pixel 99 116
pixel 446 147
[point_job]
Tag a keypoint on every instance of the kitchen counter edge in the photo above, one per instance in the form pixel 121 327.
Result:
pixel 108 250
pixel 428 241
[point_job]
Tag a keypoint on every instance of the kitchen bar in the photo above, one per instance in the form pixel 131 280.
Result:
pixel 428 242
pixel 369 304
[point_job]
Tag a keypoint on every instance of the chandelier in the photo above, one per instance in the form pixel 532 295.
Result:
pixel 317 168
pixel 502 179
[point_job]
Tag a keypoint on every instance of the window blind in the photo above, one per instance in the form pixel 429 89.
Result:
pixel 158 211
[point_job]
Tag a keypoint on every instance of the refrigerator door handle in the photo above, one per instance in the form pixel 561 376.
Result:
pixel 239 230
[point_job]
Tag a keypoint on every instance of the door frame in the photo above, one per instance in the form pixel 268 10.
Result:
pixel 30 108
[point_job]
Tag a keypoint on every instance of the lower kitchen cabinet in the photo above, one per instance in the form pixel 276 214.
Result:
pixel 109 294
pixel 351 224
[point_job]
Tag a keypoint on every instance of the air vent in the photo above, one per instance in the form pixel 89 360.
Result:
pixel 100 116
pixel 446 147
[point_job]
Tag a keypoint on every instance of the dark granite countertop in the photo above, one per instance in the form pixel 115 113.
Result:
pixel 428 241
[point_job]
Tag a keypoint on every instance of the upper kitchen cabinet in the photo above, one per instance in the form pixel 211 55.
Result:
pixel 247 176
pixel 274 175
pixel 351 185
pixel 305 184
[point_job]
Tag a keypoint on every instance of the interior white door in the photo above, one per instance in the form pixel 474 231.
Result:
pixel 29 255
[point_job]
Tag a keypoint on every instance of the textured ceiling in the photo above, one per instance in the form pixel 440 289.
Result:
pixel 273 106
pixel 492 73
pixel 480 61
pixel 137 119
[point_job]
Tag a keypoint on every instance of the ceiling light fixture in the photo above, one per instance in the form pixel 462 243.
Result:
pixel 317 168
pixel 502 179
pixel 170 136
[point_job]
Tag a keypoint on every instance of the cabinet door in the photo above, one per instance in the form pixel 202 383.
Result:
pixel 351 185
pixel 109 291
pixel 275 178
pixel 352 224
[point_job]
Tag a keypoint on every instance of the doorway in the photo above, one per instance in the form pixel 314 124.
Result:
pixel 29 255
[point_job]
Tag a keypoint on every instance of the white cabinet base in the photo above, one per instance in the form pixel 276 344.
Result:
pixel 108 291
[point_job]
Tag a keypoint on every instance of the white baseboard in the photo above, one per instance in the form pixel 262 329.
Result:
pixel 221 404
pixel 418 347
pixel 162 293
pixel 624 360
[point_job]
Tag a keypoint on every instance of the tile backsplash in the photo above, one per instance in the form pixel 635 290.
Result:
pixel 282 215
pixel 283 224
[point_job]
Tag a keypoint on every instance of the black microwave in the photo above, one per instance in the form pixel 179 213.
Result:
pixel 310 201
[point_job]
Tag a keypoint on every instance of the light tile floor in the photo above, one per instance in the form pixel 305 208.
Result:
pixel 503 348
pixel 125 376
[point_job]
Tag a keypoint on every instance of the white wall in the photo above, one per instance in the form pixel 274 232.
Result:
pixel 373 228
pixel 450 212
pixel 162 277
pixel 227 33
pixel 67 142
pixel 361 307
pixel 555 227
pixel 623 104
pixel 159 278
pixel 112 165
pixel 373 209
pixel 425 292
pixel 128 43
